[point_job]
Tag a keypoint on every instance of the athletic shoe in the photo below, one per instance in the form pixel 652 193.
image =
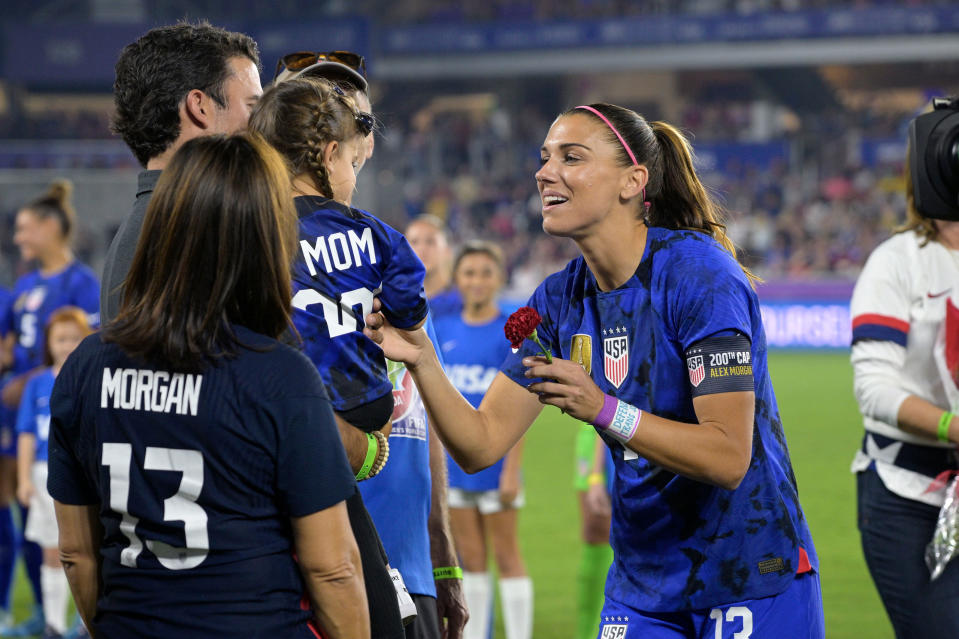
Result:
pixel 35 625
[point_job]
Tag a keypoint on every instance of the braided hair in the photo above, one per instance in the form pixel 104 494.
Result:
pixel 300 118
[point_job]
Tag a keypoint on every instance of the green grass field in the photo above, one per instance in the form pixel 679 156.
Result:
pixel 823 427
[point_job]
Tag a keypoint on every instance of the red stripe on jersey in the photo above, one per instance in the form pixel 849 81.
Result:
pixel 881 320
pixel 804 565
pixel 313 629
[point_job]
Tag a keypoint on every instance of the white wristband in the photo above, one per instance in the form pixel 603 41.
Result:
pixel 618 419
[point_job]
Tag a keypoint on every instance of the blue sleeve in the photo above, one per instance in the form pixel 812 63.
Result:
pixel 67 482
pixel 6 316
pixel 403 297
pixel 547 331
pixel 86 295
pixel 312 469
pixel 25 417
pixel 707 295
pixel 431 331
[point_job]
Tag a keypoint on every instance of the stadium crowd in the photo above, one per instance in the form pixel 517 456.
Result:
pixel 817 217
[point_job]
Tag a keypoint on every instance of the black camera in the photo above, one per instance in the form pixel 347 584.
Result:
pixel 934 160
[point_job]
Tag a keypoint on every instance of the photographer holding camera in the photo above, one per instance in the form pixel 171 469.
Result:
pixel 905 383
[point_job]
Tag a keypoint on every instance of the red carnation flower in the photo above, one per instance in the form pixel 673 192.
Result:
pixel 522 325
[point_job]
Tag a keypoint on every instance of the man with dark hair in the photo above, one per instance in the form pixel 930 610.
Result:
pixel 407 501
pixel 173 84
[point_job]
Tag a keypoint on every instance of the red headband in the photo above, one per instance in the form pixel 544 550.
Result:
pixel 613 129
pixel 621 140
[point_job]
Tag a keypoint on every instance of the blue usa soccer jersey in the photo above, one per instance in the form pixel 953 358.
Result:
pixel 679 544
pixel 196 477
pixel 399 497
pixel 36 297
pixel 34 415
pixel 473 354
pixel 346 258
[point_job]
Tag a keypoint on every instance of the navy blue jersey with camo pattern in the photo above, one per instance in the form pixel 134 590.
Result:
pixel 346 257
pixel 679 544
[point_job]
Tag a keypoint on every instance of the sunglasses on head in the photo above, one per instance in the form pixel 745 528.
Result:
pixel 365 122
pixel 300 60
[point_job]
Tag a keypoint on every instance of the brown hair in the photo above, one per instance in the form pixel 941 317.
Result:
pixel 215 250
pixel 63 315
pixel 56 203
pixel 299 118
pixel 157 71
pixel 923 226
pixel 678 199
pixel 480 247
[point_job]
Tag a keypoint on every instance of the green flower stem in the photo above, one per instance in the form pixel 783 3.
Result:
pixel 535 338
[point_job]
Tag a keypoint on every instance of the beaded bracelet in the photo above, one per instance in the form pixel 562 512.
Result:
pixel 382 455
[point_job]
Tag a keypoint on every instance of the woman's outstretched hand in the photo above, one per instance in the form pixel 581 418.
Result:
pixel 409 347
pixel 565 385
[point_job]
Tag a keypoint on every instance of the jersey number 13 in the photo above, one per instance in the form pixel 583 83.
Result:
pixel 181 506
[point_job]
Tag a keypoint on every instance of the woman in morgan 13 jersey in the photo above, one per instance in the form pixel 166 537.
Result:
pixel 206 449
pixel 345 256
pixel 669 363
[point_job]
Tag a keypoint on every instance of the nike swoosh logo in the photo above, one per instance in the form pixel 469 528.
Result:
pixel 932 296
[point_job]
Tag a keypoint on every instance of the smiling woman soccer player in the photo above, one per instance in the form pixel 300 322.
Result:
pixel 192 456
pixel 708 534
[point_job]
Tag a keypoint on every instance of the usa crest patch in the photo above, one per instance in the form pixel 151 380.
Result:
pixel 614 630
pixel 616 355
pixel 697 370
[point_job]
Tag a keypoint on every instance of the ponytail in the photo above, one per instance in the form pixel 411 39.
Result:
pixel 678 200
pixel 56 202
pixel 682 201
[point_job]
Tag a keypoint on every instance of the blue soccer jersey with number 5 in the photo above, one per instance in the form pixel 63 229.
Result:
pixel 36 297
pixel 346 257
pixel 674 330
pixel 196 477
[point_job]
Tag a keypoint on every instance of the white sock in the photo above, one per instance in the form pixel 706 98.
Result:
pixel 56 592
pixel 479 597
pixel 516 596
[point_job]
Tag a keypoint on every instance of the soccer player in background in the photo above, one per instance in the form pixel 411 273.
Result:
pixel 904 315
pixel 199 478
pixel 593 483
pixel 43 233
pixel 484 507
pixel 427 235
pixel 708 535
pixel 65 329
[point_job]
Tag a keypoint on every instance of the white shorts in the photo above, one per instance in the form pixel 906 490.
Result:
pixel 486 501
pixel 42 518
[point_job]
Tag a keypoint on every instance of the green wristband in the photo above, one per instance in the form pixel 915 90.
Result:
pixel 944 422
pixel 371 449
pixel 449 572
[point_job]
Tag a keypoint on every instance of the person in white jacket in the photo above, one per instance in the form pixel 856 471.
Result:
pixel 907 395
